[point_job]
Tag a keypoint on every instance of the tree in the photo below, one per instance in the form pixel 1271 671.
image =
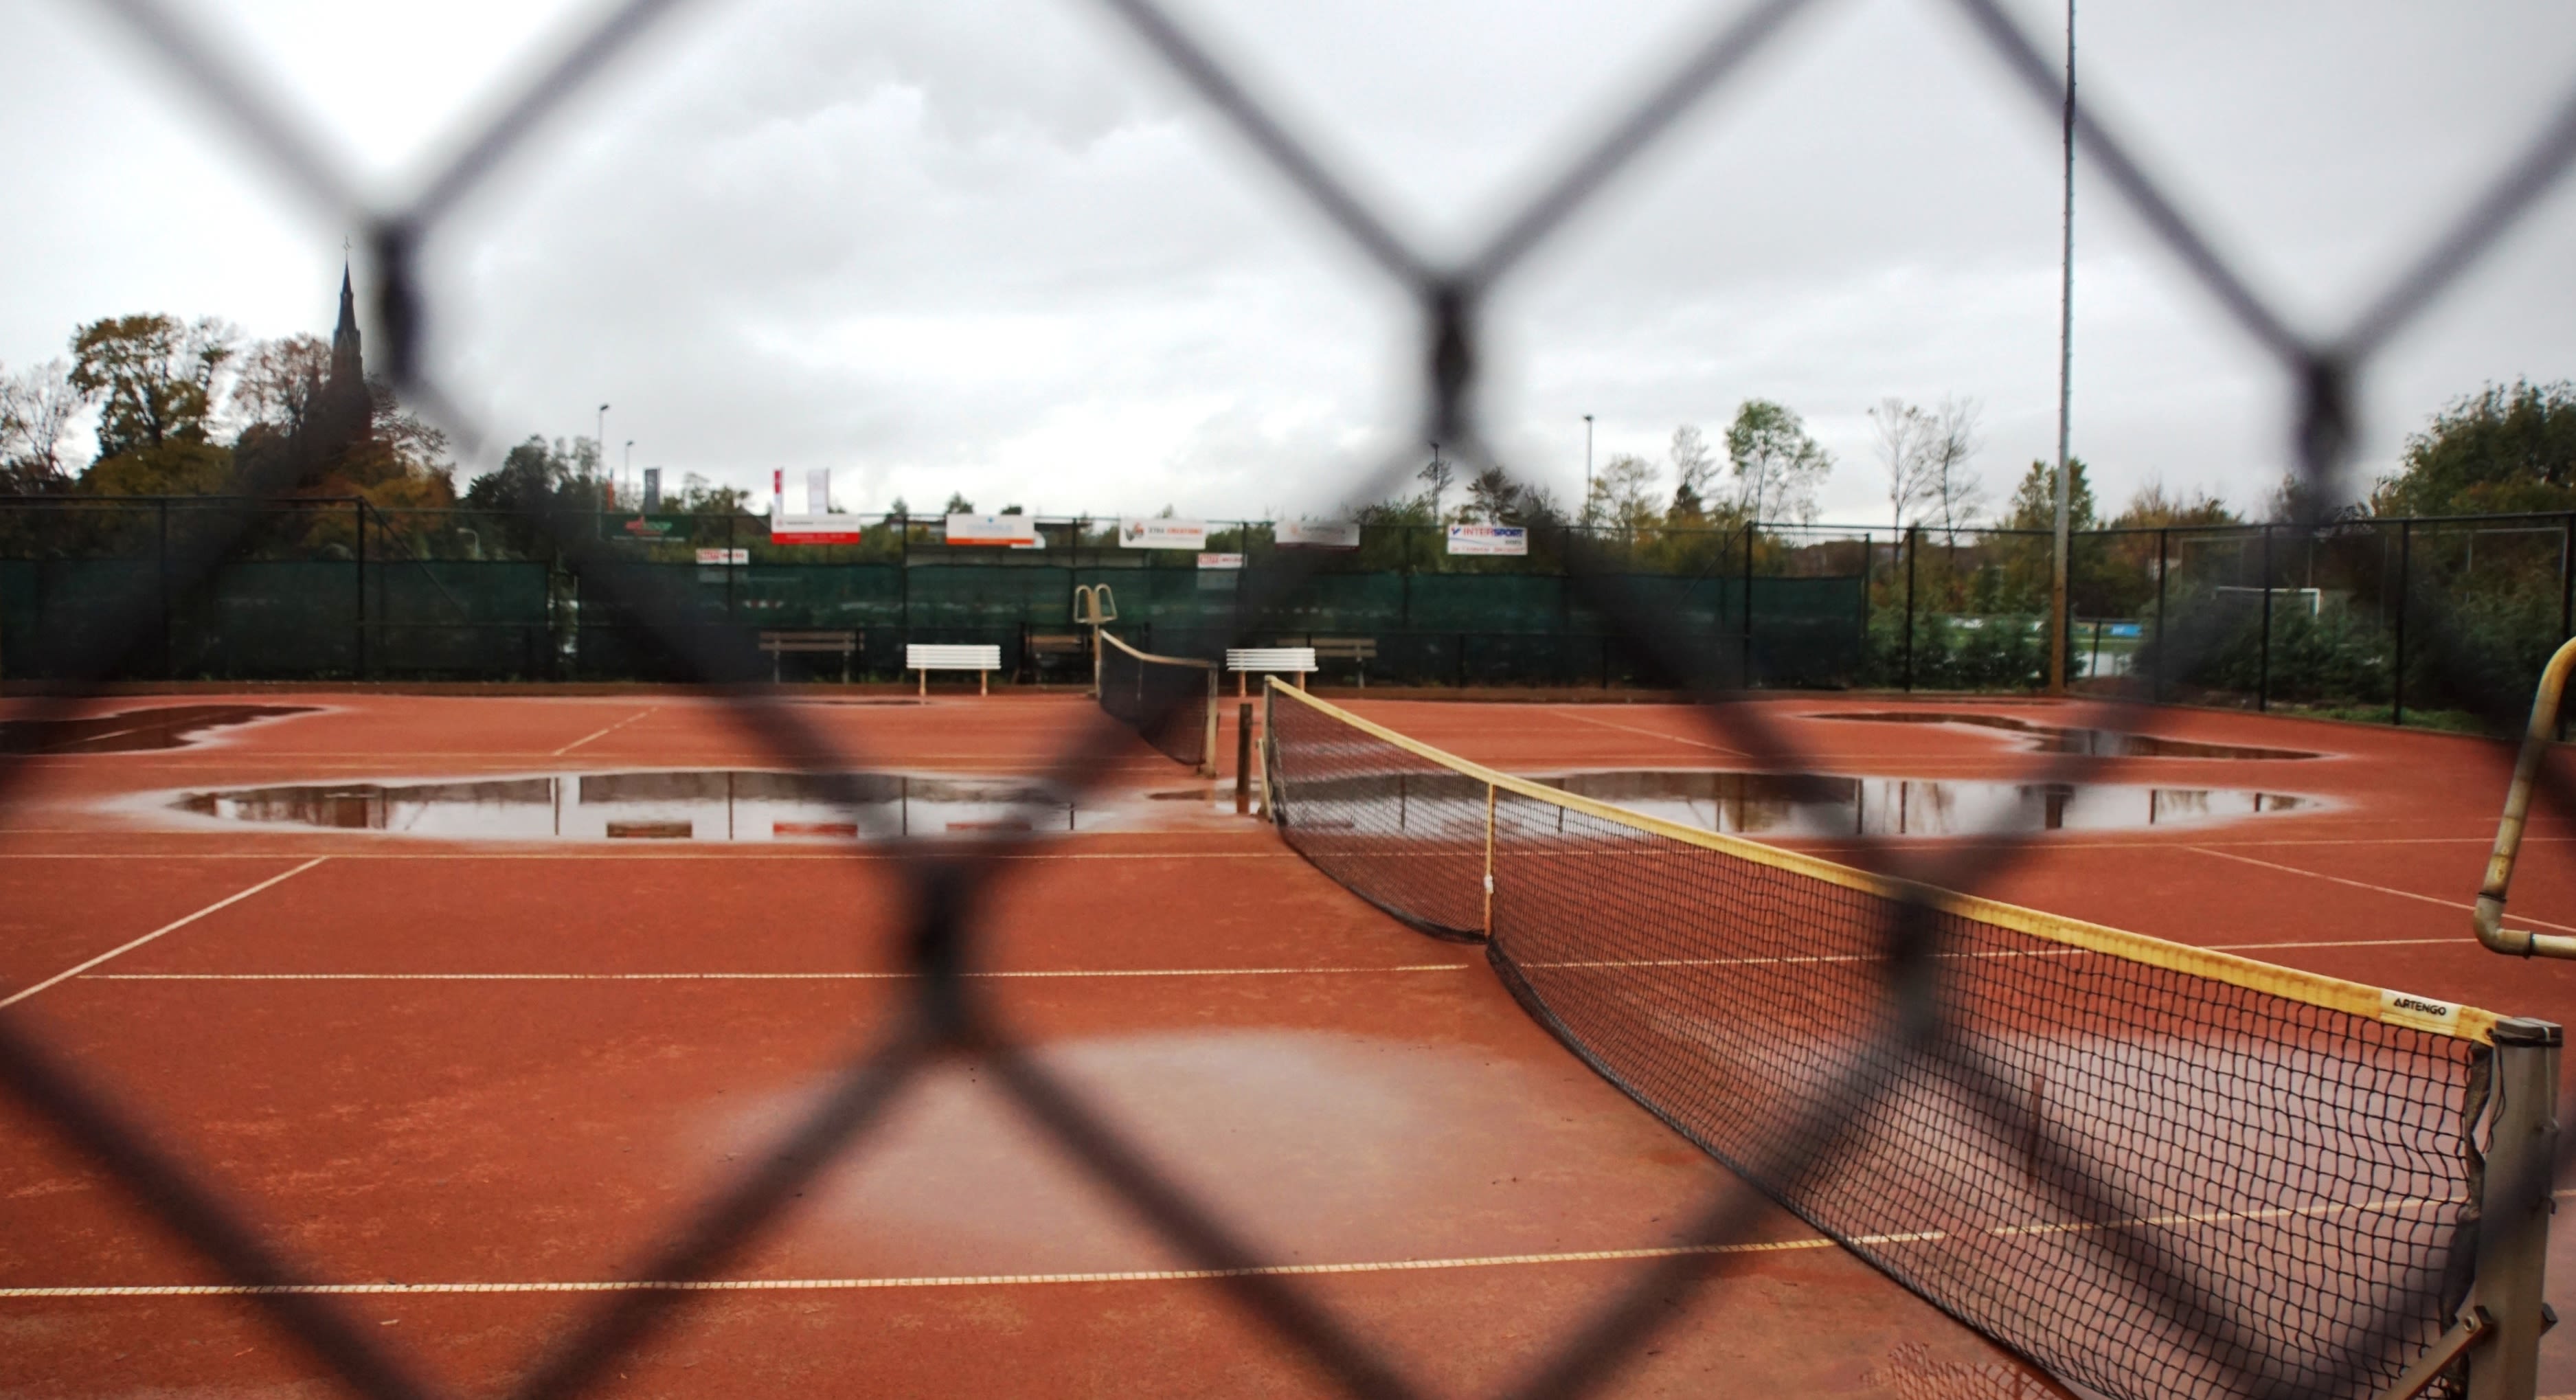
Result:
pixel 2152 509
pixel 2034 502
pixel 1623 492
pixel 280 382
pixel 1778 468
pixel 2496 450
pixel 37 406
pixel 1957 493
pixel 959 505
pixel 1440 476
pixel 1905 451
pixel 1492 498
pixel 154 379
pixel 1693 465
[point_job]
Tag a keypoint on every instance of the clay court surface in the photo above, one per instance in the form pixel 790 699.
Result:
pixel 476 1078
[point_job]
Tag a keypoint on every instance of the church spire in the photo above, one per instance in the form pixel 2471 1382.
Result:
pixel 348 366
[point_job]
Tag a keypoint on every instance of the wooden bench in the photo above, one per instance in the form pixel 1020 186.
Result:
pixel 983 659
pixel 778 644
pixel 1357 650
pixel 1294 661
pixel 1036 646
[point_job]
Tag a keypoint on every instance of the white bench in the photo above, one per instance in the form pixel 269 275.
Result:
pixel 927 657
pixel 1296 661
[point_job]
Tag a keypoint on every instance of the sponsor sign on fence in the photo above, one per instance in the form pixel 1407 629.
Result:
pixel 1009 531
pixel 1163 534
pixel 1220 561
pixel 1305 534
pixel 724 556
pixel 815 529
pixel 1488 539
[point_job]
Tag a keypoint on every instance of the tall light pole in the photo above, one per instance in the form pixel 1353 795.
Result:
pixel 601 442
pixel 1587 470
pixel 2065 382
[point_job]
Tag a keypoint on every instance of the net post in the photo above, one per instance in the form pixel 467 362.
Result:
pixel 1242 758
pixel 1207 749
pixel 2513 1226
pixel 1489 860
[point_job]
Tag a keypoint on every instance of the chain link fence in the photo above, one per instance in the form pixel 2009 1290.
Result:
pixel 947 1017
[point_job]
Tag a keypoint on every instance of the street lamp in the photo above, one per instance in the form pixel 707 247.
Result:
pixel 601 441
pixel 628 470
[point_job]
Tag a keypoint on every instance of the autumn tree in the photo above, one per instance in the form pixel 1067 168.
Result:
pixel 158 384
pixel 37 406
pixel 1777 467
pixel 2500 449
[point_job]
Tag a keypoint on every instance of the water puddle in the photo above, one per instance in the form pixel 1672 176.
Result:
pixel 2050 738
pixel 701 805
pixel 134 731
pixel 1784 804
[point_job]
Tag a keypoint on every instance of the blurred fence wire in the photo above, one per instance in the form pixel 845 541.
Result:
pixel 949 888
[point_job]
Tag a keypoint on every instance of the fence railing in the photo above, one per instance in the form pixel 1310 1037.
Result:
pixel 2318 617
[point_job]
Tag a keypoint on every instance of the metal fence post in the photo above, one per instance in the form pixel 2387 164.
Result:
pixel 2514 1210
pixel 1913 546
pixel 161 578
pixel 1747 680
pixel 359 509
pixel 2157 684
pixel 2263 666
pixel 2397 673
pixel 2567 578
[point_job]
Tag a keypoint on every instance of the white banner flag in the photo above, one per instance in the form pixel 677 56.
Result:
pixel 1162 534
pixel 1488 539
pixel 1014 531
pixel 818 491
pixel 1307 534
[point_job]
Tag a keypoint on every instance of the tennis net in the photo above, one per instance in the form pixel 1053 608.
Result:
pixel 2150 1169
pixel 1170 701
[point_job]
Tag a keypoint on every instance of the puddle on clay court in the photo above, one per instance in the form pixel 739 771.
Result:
pixel 133 731
pixel 1781 804
pixel 705 805
pixel 2050 738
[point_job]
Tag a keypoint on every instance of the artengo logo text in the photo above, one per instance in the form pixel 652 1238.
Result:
pixel 2420 1011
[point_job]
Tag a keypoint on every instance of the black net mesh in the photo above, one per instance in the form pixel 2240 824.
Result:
pixel 1167 700
pixel 2085 1122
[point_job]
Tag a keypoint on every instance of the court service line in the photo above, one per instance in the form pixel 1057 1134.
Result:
pixel 786 1285
pixel 586 738
pixel 226 902
pixel 888 976
pixel 2366 885
pixel 1653 734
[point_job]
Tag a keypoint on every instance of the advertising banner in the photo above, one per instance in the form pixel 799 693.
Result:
pixel 1308 534
pixel 1162 534
pixel 1488 539
pixel 652 489
pixel 1000 531
pixel 724 556
pixel 1220 561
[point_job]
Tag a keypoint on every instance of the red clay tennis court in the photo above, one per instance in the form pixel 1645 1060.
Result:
pixel 467 1081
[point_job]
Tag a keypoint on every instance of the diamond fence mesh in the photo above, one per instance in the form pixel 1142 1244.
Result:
pixel 1896 1028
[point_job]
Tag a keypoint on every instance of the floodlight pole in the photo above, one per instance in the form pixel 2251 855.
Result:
pixel 2065 382
pixel 1586 507
pixel 602 441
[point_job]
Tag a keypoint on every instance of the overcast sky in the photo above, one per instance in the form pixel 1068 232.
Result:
pixel 989 246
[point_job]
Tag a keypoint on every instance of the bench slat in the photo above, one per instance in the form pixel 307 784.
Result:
pixel 919 656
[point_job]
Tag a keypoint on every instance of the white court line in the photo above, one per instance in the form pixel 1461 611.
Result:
pixel 750 976
pixel 586 738
pixel 2366 885
pixel 1653 734
pixel 787 1285
pixel 737 852
pixel 180 923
